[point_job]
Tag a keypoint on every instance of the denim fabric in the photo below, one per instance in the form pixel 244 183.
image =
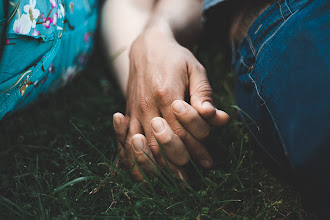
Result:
pixel 47 43
pixel 210 3
pixel 282 68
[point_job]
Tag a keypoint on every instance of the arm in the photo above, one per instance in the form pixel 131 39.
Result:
pixel 122 21
pixel 162 71
pixel 178 18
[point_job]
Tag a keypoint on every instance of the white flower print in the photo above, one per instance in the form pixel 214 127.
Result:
pixel 61 11
pixel 54 20
pixel 22 25
pixel 32 12
pixel 68 75
pixel 53 3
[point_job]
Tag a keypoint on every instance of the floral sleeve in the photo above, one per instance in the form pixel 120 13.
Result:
pixel 47 43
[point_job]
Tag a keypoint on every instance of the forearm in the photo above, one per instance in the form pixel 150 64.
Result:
pixel 122 21
pixel 180 18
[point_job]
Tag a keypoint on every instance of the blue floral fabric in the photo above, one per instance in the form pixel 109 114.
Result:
pixel 47 43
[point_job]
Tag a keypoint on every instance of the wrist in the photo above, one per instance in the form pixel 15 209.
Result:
pixel 158 29
pixel 151 38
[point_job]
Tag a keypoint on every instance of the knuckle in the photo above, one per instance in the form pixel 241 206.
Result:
pixel 203 87
pixel 204 133
pixel 181 156
pixel 145 104
pixel 162 94
pixel 153 146
pixel 160 89
pixel 200 68
pixel 195 148
pixel 128 143
pixel 181 132
pixel 167 139
pixel 197 152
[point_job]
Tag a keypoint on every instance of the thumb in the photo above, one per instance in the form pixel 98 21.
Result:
pixel 201 95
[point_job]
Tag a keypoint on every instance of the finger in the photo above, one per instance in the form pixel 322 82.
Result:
pixel 142 155
pixel 173 147
pixel 191 119
pixel 201 95
pixel 162 160
pixel 195 148
pixel 134 128
pixel 121 127
pixel 150 111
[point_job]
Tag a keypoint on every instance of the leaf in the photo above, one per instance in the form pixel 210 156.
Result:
pixel 78 180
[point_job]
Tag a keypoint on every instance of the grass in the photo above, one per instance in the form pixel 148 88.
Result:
pixel 58 161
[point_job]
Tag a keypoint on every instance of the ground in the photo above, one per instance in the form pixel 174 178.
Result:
pixel 58 161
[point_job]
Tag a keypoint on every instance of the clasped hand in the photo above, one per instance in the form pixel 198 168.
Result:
pixel 162 74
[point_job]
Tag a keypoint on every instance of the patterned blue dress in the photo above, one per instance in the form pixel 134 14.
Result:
pixel 46 43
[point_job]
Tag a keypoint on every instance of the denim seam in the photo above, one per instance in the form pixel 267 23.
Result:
pixel 268 39
pixel 242 61
pixel 271 115
pixel 279 4
pixel 250 44
pixel 287 5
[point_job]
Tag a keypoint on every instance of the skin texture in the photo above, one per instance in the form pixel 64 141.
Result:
pixel 162 72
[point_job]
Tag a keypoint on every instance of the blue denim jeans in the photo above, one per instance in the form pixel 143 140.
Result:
pixel 282 68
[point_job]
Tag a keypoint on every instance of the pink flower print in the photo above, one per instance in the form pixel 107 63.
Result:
pixel 54 19
pixel 51 68
pixel 47 22
pixel 53 3
pixel 86 37
pixel 35 32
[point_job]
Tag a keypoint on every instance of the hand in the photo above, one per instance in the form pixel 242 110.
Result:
pixel 170 142
pixel 162 71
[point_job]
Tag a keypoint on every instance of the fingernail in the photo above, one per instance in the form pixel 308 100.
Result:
pixel 138 144
pixel 205 163
pixel 207 105
pixel 179 107
pixel 116 120
pixel 157 125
